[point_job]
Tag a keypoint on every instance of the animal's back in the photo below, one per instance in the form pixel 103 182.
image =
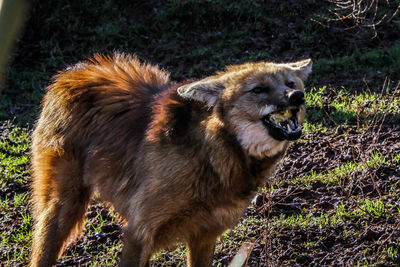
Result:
pixel 86 101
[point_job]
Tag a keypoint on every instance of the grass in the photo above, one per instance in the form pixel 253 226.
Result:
pixel 340 106
pixel 345 171
pixel 364 209
pixel 14 162
pixel 354 86
pixel 14 158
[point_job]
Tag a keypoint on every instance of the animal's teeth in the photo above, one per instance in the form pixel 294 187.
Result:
pixel 287 113
pixel 291 125
pixel 281 116
pixel 288 127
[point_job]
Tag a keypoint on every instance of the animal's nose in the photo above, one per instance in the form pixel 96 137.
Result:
pixel 296 98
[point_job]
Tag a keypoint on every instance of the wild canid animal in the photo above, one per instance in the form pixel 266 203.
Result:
pixel 178 162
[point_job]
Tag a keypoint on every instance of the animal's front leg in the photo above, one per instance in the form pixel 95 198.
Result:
pixel 135 253
pixel 200 251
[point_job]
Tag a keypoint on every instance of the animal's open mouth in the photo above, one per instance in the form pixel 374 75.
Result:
pixel 283 125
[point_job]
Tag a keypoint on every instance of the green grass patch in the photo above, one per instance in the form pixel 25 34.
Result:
pixel 366 209
pixel 305 220
pixel 16 240
pixel 342 107
pixel 345 171
pixel 14 175
pixel 391 251
pixel 14 156
pixel 363 209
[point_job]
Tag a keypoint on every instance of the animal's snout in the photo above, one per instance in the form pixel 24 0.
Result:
pixel 296 98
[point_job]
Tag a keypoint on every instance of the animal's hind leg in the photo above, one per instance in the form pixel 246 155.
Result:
pixel 59 203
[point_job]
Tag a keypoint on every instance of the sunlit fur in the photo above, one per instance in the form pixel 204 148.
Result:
pixel 179 162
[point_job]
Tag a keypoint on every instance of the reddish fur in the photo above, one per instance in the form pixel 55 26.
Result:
pixel 170 166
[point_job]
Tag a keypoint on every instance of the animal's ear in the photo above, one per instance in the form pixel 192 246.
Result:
pixel 303 68
pixel 206 91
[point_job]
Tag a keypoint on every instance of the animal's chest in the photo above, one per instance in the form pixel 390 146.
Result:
pixel 227 216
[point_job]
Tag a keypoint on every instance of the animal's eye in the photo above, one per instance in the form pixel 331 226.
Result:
pixel 259 90
pixel 291 85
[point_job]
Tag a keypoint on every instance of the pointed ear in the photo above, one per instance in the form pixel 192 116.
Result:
pixel 302 68
pixel 206 91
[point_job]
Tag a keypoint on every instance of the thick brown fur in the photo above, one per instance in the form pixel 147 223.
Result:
pixel 177 162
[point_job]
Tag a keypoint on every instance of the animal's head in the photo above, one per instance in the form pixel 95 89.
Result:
pixel 262 103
